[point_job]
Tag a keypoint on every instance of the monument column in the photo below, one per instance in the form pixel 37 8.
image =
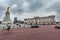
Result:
pixel 6 19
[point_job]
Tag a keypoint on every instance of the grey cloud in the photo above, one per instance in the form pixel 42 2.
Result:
pixel 55 7
pixel 2 8
pixel 18 11
pixel 34 5
pixel 19 2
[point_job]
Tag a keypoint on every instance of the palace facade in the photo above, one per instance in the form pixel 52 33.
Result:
pixel 50 20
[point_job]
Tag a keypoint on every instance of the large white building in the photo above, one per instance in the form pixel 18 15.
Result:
pixel 40 20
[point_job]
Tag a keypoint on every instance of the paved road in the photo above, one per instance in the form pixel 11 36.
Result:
pixel 31 34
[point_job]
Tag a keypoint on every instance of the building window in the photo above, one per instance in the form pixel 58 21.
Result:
pixel 30 23
pixel 25 23
pixel 35 23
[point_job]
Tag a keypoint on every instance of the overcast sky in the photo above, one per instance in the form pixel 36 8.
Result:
pixel 30 8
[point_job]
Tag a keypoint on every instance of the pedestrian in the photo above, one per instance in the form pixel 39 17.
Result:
pixel 8 28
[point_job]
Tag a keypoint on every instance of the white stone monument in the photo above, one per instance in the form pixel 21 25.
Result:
pixel 6 20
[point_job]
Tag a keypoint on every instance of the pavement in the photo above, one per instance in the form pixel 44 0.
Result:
pixel 31 34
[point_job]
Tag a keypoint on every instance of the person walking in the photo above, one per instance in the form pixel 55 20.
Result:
pixel 8 28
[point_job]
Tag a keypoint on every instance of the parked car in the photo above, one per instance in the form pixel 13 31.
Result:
pixel 34 26
pixel 57 26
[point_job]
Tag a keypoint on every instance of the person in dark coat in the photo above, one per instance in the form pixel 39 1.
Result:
pixel 8 28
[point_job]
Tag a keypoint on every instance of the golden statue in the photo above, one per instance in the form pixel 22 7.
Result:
pixel 8 10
